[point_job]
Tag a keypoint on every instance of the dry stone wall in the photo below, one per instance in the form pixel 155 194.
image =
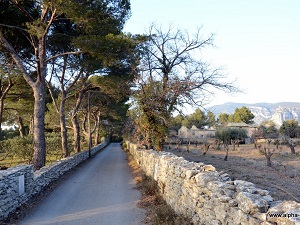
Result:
pixel 199 192
pixel 19 184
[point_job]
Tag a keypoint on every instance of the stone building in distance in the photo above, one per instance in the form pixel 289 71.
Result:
pixel 195 132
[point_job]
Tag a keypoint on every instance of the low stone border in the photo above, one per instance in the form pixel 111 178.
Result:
pixel 19 184
pixel 199 192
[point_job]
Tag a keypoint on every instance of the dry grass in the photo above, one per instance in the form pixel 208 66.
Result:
pixel 157 211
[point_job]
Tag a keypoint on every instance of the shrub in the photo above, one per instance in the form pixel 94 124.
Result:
pixel 18 148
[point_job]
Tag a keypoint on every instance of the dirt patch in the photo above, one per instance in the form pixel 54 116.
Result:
pixel 282 179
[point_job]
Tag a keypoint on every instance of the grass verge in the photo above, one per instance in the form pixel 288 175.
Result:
pixel 158 212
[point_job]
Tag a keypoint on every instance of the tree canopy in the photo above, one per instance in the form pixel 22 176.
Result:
pixel 290 129
pixel 171 74
pixel 37 34
pixel 242 114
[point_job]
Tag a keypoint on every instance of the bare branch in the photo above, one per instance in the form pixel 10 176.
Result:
pixel 14 27
pixel 16 59
pixel 62 54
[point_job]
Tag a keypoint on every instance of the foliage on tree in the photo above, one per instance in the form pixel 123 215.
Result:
pixel 19 106
pixel 29 32
pixel 269 129
pixel 109 96
pixel 226 135
pixel 176 122
pixel 197 118
pixel 241 115
pixel 290 129
pixel 223 118
pixel 211 119
pixel 7 72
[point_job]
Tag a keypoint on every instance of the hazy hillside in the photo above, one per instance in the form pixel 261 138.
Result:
pixel 278 112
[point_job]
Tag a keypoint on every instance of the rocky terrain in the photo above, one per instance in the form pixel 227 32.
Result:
pixel 277 112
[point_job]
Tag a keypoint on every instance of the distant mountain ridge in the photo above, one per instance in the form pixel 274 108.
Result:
pixel 277 112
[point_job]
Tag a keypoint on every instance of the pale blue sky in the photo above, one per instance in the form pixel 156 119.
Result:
pixel 257 41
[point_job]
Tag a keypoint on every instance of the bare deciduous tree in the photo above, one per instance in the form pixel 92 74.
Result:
pixel 292 144
pixel 205 147
pixel 227 150
pixel 173 73
pixel 268 154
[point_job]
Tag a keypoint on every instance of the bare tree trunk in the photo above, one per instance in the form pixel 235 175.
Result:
pixel 21 127
pixel 149 140
pixel 206 148
pixel 39 154
pixel 276 142
pixel 76 134
pixel 96 140
pixel 234 143
pixel 269 142
pixel 255 143
pixel 75 123
pixel 226 155
pixel 89 123
pixel 268 154
pixel 269 161
pixel 31 125
pixel 61 114
pixel 217 144
pixel 188 147
pixel 259 148
pixel 38 87
pixel 63 127
pixel 1 112
pixel 292 147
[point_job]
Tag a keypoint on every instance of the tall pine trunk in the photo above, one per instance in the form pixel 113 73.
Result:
pixel 76 130
pixel 75 123
pixel 21 127
pixel 39 152
pixel 63 127
pixel 97 131
pixel 1 112
pixel 38 87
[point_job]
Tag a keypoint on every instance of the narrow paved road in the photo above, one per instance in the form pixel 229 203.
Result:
pixel 100 192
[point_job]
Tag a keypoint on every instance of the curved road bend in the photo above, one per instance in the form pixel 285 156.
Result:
pixel 100 192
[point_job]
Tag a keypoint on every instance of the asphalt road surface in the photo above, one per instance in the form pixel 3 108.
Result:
pixel 100 192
